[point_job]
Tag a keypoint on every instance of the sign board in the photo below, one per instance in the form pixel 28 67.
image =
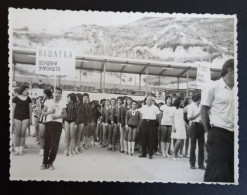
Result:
pixel 55 61
pixel 203 75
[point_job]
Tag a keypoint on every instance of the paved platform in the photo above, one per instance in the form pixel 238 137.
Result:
pixel 98 164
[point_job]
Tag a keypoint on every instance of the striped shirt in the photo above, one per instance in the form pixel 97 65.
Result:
pixel 71 112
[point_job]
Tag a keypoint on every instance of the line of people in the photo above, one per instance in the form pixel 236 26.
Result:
pixel 131 125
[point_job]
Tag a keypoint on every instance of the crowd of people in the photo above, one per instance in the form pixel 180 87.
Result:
pixel 168 128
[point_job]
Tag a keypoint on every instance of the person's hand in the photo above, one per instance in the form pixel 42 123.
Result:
pixel 106 124
pixel 173 129
pixel 126 126
pixel 119 124
pixel 112 122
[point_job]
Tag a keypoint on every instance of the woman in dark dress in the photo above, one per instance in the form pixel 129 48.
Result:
pixel 22 117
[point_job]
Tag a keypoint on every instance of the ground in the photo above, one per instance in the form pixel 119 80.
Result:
pixel 98 164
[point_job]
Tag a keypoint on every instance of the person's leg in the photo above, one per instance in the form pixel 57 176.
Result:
pixel 152 133
pixel 57 129
pixel 163 130
pixel 48 138
pixel 144 135
pixel 201 143
pixel 17 133
pixel 110 129
pixel 176 149
pixel 86 141
pixel 71 138
pixel 213 156
pixel 193 138
pixel 78 139
pixel 125 139
pixel 76 127
pixel 133 141
pixel 41 138
pixel 24 125
pixel 114 136
pixel 66 130
pixel 181 148
pixel 130 131
pixel 104 134
pixel 168 141
pixel 82 138
pixel 230 158
pixel 36 126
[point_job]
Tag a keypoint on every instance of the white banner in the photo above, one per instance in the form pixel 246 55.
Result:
pixel 55 61
pixel 203 75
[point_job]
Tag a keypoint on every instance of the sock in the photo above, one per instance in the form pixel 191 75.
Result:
pixel 21 148
pixel 129 147
pixel 162 148
pixel 126 146
pixel 133 147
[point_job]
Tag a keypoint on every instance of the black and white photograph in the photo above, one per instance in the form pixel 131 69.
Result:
pixel 123 96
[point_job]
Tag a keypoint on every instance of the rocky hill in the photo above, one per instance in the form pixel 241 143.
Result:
pixel 161 39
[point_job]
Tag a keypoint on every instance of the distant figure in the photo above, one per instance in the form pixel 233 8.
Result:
pixel 40 84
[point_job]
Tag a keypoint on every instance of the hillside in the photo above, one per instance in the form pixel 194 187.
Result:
pixel 161 39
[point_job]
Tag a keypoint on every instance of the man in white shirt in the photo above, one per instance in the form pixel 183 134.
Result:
pixel 196 132
pixel 149 116
pixel 55 111
pixel 217 113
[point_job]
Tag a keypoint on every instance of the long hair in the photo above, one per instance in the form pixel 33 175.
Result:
pixel 79 97
pixel 48 93
pixel 22 89
pixel 177 102
pixel 72 97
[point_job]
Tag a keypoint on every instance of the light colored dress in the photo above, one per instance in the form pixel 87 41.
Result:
pixel 179 124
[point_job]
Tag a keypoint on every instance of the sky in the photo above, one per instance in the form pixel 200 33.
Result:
pixel 56 20
pixel 53 20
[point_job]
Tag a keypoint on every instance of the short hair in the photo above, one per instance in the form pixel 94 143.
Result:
pixel 85 94
pixel 167 97
pixel 120 98
pixel 129 98
pixel 177 102
pixel 134 102
pixel 228 64
pixel 196 97
pixel 48 93
pixel 72 97
pixel 113 99
pixel 22 89
pixel 59 89
pixel 186 101
pixel 102 101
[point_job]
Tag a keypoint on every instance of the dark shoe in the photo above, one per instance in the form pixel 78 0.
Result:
pixel 121 151
pixel 192 167
pixel 150 157
pixel 202 167
pixel 142 156
pixel 109 149
pixel 43 166
pixel 114 149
